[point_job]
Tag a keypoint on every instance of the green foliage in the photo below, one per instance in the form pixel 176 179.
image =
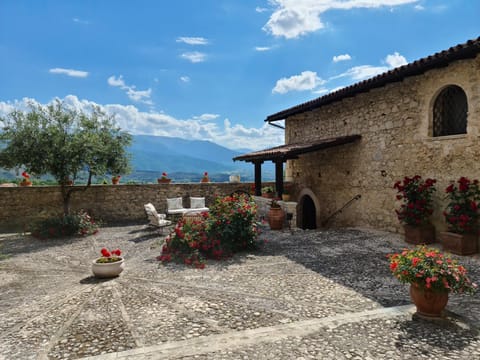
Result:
pixel 80 224
pixel 63 142
pixel 428 268
pixel 229 227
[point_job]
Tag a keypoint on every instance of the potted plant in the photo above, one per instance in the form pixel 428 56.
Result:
pixel 205 178
pixel 116 179
pixel 276 216
pixel 268 192
pixel 462 216
pixel 110 264
pixel 164 179
pixel 26 179
pixel 432 276
pixel 416 195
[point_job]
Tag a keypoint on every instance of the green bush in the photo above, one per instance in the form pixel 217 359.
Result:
pixel 80 224
pixel 229 227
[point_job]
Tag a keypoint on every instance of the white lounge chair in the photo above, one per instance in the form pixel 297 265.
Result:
pixel 154 218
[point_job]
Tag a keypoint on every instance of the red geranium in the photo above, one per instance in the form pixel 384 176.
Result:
pixel 109 256
pixel 416 194
pixel 461 213
pixel 25 175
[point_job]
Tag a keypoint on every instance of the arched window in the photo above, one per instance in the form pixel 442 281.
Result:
pixel 450 112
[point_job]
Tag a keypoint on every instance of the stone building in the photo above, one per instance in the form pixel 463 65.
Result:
pixel 345 150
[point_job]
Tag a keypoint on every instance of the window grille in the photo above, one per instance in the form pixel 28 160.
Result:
pixel 450 112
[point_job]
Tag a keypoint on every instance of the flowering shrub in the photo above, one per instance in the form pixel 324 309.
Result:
pixel 73 224
pixel 229 227
pixel 461 213
pixel 430 269
pixel 109 257
pixel 416 195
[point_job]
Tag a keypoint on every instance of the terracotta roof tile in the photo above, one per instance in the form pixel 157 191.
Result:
pixel 291 151
pixel 467 50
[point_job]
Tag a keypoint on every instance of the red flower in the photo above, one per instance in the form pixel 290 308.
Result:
pixel 117 252
pixel 205 173
pixel 105 252
pixel 449 189
pixel 25 175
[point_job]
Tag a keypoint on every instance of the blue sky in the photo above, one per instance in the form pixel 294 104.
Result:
pixel 212 69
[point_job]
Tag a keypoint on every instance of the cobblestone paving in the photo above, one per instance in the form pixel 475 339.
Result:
pixel 304 295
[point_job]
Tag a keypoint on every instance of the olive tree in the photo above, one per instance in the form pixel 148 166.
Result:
pixel 64 143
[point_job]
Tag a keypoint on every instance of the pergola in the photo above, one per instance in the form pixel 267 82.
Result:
pixel 281 154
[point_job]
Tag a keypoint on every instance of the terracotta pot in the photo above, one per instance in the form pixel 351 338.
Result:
pixel 115 181
pixel 164 181
pixel 422 234
pixel 429 303
pixel 276 217
pixel 460 244
pixel 25 183
pixel 107 270
pixel 205 179
pixel 286 197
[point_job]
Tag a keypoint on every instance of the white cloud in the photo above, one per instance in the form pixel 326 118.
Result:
pixel 343 57
pixel 69 72
pixel 419 7
pixel 260 9
pixel 395 60
pixel 185 79
pixel 194 57
pixel 307 80
pixel 362 72
pixel 201 127
pixel 142 96
pixel 294 18
pixel 192 40
pixel 80 21
pixel 262 48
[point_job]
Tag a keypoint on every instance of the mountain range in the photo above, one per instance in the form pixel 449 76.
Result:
pixel 183 160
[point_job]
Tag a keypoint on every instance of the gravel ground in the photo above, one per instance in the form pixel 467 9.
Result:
pixel 325 294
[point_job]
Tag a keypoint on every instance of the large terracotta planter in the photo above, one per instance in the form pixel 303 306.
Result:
pixel 107 270
pixel 460 244
pixel 429 303
pixel 422 234
pixel 276 217
pixel 164 181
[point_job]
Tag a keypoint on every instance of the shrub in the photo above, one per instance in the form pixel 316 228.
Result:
pixel 229 227
pixel 416 195
pixel 80 224
pixel 461 213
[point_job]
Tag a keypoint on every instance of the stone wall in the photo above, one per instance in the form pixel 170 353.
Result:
pixel 20 206
pixel 395 124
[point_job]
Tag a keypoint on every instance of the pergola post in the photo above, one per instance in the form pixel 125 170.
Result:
pixel 258 177
pixel 279 177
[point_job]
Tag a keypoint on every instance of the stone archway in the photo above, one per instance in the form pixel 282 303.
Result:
pixel 308 210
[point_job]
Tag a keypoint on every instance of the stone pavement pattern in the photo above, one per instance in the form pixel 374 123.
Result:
pixel 304 295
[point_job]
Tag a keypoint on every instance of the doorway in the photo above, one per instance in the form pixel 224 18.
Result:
pixel 309 213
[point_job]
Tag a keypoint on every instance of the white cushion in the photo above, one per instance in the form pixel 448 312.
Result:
pixel 177 211
pixel 197 202
pixel 174 203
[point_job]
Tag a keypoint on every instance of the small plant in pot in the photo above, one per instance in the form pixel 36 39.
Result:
pixel 268 192
pixel 432 275
pixel 414 213
pixel 116 179
pixel 205 178
pixel 26 179
pixel 164 179
pixel 462 217
pixel 110 264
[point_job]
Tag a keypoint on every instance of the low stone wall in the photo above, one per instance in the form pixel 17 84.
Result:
pixel 21 206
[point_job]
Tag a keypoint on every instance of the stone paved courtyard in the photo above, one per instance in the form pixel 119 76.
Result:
pixel 304 295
